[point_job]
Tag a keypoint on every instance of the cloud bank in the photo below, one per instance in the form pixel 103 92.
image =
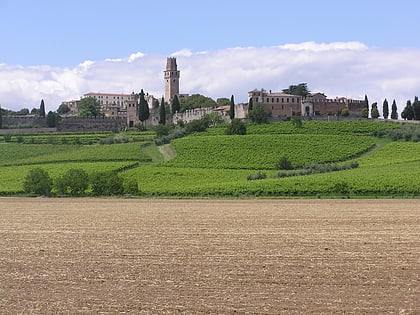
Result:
pixel 349 69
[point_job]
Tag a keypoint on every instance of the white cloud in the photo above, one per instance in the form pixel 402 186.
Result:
pixel 348 69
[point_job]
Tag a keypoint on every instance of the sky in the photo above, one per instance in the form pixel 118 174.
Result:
pixel 60 50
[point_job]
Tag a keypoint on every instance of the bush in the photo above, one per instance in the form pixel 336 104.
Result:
pixel 107 184
pixel 284 164
pixel 162 130
pixel 38 182
pixel 74 182
pixel 297 121
pixel 258 114
pixel 257 176
pixel 236 127
pixel 198 125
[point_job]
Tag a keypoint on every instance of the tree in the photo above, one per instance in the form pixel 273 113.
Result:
pixel 258 114
pixel 374 113
pixel 250 104
pixel 162 112
pixel 300 89
pixel 38 182
pixel 416 108
pixel 89 107
pixel 1 117
pixel 236 127
pixel 23 112
pixel 297 121
pixel 176 106
pixel 345 112
pixel 74 182
pixel 107 184
pixel 394 113
pixel 42 109
pixel 63 109
pixel 196 101
pixel 51 119
pixel 385 109
pixel 143 108
pixel 408 112
pixel 232 108
pixel 222 101
pixel 284 164
pixel 364 113
pixel 366 105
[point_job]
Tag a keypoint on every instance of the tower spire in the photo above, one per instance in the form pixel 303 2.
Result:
pixel 171 76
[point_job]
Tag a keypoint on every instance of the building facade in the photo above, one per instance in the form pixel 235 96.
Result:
pixel 171 76
pixel 286 105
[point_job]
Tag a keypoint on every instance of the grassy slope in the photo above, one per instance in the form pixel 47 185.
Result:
pixel 391 168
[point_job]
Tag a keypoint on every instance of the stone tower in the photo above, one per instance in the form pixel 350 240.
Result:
pixel 171 75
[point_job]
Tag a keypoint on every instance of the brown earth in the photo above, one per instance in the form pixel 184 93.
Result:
pixel 114 256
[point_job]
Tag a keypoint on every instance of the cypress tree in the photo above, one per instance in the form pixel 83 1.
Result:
pixel 416 108
pixel 162 112
pixel 408 112
pixel 143 108
pixel 374 113
pixel 1 118
pixel 394 113
pixel 366 103
pixel 176 106
pixel 232 108
pixel 42 109
pixel 385 109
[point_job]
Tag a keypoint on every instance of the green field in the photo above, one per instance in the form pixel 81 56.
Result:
pixel 219 165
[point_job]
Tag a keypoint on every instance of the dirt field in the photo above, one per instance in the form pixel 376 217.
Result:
pixel 95 256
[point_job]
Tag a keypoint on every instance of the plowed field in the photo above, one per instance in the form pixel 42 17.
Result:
pixel 113 256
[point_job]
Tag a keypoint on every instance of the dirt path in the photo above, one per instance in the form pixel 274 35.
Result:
pixel 93 256
pixel 167 151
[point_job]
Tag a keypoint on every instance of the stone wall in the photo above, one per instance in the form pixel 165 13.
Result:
pixel 91 124
pixel 23 122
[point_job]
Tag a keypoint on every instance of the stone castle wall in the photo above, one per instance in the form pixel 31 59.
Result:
pixel 91 124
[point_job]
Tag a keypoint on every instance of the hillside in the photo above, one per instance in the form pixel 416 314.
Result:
pixel 214 164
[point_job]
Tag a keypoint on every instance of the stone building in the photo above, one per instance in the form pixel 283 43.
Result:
pixel 171 76
pixel 285 105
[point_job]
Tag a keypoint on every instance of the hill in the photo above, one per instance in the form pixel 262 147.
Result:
pixel 329 159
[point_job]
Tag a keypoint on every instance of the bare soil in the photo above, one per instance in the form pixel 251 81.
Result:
pixel 114 256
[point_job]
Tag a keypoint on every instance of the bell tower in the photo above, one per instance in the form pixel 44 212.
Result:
pixel 171 75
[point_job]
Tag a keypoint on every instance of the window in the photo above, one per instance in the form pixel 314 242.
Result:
pixel 287 100
pixel 272 100
pixel 277 99
pixel 268 100
pixel 282 100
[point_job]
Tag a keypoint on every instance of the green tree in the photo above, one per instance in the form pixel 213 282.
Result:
pixel 144 112
pixel 176 106
pixel 38 182
pixel 63 109
pixel 408 112
pixel 284 164
pixel 296 121
pixel 42 109
pixel 236 127
pixel 74 182
pixel 364 113
pixel 394 113
pixel 1 117
pixel 416 108
pixel 23 112
pixel 196 101
pixel 232 108
pixel 107 184
pixel 89 107
pixel 345 112
pixel 223 101
pixel 374 113
pixel 385 109
pixel 258 114
pixel 162 112
pixel 51 119
pixel 300 89
pixel 250 104
pixel 366 105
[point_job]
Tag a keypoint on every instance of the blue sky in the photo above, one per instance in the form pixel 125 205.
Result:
pixel 64 49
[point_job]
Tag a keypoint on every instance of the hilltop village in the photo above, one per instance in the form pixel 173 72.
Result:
pixel 122 110
pixel 279 105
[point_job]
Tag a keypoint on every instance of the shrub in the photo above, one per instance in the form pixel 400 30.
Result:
pixel 107 184
pixel 284 164
pixel 162 130
pixel 38 182
pixel 297 121
pixel 236 127
pixel 257 176
pixel 74 182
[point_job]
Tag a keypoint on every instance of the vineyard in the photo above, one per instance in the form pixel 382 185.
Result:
pixel 214 164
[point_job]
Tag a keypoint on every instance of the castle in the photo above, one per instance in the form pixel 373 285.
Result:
pixel 278 104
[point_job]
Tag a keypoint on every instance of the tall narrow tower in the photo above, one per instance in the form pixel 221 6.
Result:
pixel 171 75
